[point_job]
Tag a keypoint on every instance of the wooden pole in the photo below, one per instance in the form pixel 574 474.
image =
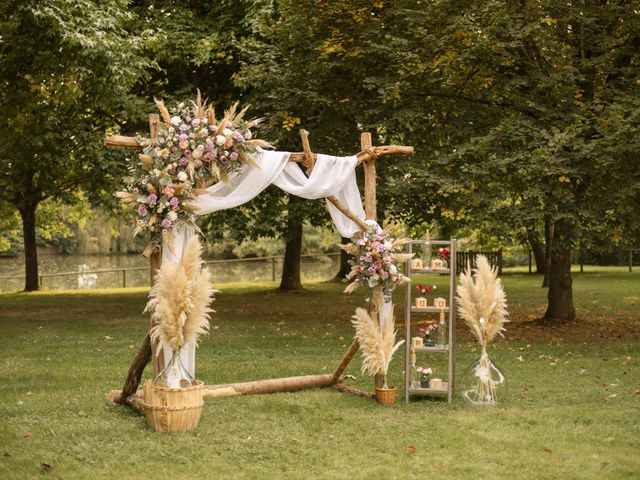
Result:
pixel 121 141
pixel 630 260
pixel 347 213
pixel 369 177
pixel 272 385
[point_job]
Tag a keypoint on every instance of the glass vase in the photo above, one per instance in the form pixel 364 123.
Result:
pixel 484 383
pixel 175 375
pixel 442 334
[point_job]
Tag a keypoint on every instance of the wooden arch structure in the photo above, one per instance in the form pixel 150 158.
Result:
pixel 367 158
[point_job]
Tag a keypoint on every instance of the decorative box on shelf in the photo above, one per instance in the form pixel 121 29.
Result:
pixel 421 302
pixel 437 264
pixel 440 303
pixel 416 264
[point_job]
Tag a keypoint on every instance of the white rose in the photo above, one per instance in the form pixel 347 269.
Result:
pixel 182 176
pixel 176 121
pixel 197 153
pixel 220 139
pixel 173 216
pixel 227 132
pixel 393 269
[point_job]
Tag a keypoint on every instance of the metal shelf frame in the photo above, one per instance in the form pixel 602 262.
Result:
pixel 448 386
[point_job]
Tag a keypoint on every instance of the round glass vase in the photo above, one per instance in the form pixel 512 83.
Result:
pixel 175 375
pixel 484 383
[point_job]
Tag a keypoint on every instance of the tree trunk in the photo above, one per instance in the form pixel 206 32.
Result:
pixel 28 214
pixel 538 250
pixel 560 296
pixel 291 269
pixel 344 259
pixel 549 228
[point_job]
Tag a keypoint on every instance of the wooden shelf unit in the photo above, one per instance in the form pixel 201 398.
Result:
pixel 449 349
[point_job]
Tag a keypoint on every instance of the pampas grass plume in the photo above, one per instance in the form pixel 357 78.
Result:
pixel 482 302
pixel 180 300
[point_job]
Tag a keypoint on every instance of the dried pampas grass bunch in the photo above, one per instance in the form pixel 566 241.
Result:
pixel 377 346
pixel 482 302
pixel 180 300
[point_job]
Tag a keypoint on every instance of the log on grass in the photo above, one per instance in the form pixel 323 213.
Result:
pixel 272 385
pixel 342 388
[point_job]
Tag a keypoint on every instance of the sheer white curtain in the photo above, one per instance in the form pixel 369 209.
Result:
pixel 330 176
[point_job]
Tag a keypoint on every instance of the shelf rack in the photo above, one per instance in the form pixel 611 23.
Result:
pixel 450 350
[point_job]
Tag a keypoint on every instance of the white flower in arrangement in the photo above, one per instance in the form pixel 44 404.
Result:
pixel 176 121
pixel 247 134
pixel 393 269
pixel 182 176
pixel 387 245
pixel 157 172
pixel 220 140
pixel 173 216
pixel 198 152
pixel 227 131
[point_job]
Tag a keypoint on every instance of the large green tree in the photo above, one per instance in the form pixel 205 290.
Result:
pixel 544 121
pixel 65 68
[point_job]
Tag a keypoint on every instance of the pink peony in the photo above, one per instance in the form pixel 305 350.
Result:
pixel 184 144
pixel 168 191
pixel 166 223
pixel 233 156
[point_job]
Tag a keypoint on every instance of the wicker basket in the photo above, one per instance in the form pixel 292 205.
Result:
pixel 386 396
pixel 173 409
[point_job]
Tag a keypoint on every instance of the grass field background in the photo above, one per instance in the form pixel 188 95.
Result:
pixel 572 411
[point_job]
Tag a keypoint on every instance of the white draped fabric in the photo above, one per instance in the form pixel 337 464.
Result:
pixel 330 176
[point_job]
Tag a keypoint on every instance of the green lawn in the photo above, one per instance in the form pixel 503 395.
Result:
pixel 572 410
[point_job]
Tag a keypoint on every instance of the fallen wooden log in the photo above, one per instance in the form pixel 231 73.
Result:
pixel 342 388
pixel 273 385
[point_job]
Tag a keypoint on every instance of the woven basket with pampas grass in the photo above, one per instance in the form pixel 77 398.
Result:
pixel 482 304
pixel 179 303
pixel 377 346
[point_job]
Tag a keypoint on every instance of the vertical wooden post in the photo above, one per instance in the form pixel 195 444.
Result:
pixel 154 265
pixel 124 278
pixel 369 167
pixel 154 120
pixel 630 260
pixel 156 258
pixel 370 204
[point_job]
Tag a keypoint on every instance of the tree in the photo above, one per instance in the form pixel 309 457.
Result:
pixel 64 69
pixel 545 122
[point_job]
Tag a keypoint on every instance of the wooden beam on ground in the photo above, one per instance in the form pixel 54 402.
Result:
pixel 342 388
pixel 273 385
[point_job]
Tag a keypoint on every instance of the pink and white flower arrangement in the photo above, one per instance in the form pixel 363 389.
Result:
pixel 375 261
pixel 193 150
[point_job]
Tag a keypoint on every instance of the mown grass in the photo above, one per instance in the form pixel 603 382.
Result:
pixel 572 410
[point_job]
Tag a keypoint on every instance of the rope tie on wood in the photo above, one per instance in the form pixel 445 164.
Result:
pixel 371 152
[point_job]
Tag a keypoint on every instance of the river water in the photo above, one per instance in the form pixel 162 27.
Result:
pixel 86 271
